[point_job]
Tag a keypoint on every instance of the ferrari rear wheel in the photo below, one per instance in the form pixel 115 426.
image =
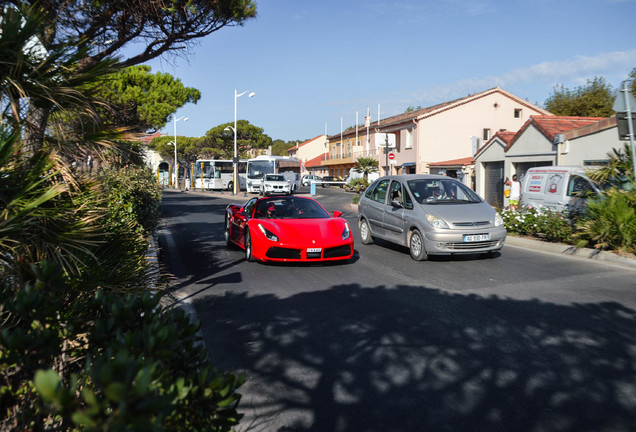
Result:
pixel 248 247
pixel 226 231
pixel 365 232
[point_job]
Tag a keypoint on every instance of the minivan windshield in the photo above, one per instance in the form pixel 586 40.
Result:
pixel 442 191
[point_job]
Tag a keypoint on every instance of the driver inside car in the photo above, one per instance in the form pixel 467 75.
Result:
pixel 271 212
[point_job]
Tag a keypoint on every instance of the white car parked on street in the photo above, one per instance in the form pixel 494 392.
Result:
pixel 275 184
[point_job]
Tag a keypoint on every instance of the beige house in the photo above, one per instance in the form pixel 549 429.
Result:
pixel 424 141
pixel 308 151
pixel 542 141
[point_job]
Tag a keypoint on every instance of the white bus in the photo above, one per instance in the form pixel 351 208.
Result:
pixel 261 165
pixel 218 174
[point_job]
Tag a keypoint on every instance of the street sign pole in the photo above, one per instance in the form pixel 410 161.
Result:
pixel 625 106
pixel 386 152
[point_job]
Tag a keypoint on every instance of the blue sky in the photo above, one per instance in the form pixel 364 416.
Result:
pixel 312 63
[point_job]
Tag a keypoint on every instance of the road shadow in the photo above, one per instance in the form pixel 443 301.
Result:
pixel 416 359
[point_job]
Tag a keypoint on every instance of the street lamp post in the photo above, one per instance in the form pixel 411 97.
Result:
pixel 235 161
pixel 176 166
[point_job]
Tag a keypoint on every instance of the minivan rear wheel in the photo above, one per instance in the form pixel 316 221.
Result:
pixel 416 246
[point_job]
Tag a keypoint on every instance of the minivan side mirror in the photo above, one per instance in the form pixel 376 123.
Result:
pixel 397 204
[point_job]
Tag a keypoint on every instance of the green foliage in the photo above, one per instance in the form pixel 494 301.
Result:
pixel 548 225
pixel 609 222
pixel 134 366
pixel 220 139
pixel 366 166
pixel 357 184
pixel 595 99
pixel 144 101
pixel 133 195
pixel 619 169
pixel 413 108
pixel 280 147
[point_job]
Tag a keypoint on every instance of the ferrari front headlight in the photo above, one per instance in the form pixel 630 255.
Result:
pixel 268 234
pixel 346 233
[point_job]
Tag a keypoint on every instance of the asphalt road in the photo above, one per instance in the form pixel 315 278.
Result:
pixel 525 341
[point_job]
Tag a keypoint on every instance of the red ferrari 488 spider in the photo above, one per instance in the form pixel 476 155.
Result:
pixel 287 229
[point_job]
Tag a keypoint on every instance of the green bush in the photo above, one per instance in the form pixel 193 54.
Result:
pixel 133 367
pixel 609 222
pixel 544 224
pixel 83 345
pixel 133 194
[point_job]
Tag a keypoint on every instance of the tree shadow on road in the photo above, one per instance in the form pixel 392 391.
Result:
pixel 417 359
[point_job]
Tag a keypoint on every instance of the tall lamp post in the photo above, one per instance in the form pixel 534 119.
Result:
pixel 176 166
pixel 236 160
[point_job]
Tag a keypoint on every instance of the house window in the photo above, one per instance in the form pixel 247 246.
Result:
pixel 486 135
pixel 409 139
pixel 517 112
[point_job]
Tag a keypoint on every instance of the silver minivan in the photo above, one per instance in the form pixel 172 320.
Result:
pixel 431 215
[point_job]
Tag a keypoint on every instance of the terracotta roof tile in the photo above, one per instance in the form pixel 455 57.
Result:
pixel 552 125
pixel 315 162
pixel 461 161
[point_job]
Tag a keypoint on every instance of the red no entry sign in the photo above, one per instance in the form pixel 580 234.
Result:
pixel 391 156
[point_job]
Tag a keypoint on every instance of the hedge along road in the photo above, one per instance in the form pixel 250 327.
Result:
pixel 525 341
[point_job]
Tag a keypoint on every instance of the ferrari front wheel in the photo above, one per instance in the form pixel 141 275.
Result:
pixel 248 247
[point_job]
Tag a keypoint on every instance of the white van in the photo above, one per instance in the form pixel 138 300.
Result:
pixel 556 188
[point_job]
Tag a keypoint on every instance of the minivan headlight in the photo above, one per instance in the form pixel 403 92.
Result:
pixel 437 222
pixel 498 219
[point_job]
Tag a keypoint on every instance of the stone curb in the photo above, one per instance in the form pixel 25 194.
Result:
pixel 564 249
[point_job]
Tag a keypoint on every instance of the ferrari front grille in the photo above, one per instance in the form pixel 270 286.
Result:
pixel 283 253
pixel 337 252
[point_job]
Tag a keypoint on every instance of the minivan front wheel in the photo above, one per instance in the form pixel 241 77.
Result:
pixel 365 232
pixel 416 246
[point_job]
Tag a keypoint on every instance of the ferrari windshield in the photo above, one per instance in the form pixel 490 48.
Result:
pixel 290 208
pixel 442 191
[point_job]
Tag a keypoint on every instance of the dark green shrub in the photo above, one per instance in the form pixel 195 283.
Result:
pixel 134 194
pixel 610 222
pixel 133 367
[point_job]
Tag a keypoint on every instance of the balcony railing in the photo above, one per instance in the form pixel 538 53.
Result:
pixel 350 156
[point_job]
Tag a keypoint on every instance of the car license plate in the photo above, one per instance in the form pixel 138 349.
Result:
pixel 309 250
pixel 476 237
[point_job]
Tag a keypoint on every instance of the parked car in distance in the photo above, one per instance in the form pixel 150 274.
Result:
pixel 557 188
pixel 332 181
pixel 307 179
pixel 275 184
pixel 287 229
pixel 431 215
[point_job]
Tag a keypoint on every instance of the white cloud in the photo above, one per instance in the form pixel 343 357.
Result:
pixel 578 69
